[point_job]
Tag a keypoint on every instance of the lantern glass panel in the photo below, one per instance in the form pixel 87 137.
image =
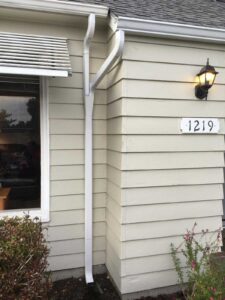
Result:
pixel 207 79
pixel 210 77
pixel 202 79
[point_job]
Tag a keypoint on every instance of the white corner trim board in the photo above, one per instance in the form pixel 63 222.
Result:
pixel 89 90
pixel 57 6
pixel 167 29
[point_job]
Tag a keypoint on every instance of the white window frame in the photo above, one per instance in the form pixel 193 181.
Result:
pixel 43 212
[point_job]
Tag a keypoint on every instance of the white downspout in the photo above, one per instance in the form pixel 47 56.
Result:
pixel 89 89
pixel 88 103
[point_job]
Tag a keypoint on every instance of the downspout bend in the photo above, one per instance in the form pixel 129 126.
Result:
pixel 110 60
pixel 89 89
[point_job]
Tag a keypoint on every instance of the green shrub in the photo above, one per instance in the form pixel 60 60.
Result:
pixel 23 259
pixel 198 274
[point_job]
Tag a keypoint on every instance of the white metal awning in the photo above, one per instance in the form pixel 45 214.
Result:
pixel 34 55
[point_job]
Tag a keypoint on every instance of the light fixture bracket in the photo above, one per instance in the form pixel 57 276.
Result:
pixel 200 92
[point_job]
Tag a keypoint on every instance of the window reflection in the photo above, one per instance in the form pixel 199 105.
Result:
pixel 19 143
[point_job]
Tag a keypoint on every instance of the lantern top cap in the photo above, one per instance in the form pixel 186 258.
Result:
pixel 207 69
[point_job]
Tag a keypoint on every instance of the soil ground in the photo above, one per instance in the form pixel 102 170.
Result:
pixel 76 289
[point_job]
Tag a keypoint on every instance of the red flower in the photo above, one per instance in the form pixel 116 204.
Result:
pixel 187 237
pixel 193 264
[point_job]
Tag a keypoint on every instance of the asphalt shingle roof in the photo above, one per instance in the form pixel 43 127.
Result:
pixel 209 13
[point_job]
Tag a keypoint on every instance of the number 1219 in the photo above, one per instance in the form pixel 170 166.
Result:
pixel 199 125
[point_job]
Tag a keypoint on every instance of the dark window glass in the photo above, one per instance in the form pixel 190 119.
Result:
pixel 224 202
pixel 19 143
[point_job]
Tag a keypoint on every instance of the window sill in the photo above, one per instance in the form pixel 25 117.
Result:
pixel 44 217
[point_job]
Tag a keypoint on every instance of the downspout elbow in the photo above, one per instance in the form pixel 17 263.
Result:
pixel 110 60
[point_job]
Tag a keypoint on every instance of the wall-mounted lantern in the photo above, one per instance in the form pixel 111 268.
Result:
pixel 206 78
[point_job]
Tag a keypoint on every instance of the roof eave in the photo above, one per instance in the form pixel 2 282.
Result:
pixel 59 7
pixel 167 29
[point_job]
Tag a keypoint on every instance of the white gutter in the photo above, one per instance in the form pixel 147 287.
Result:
pixel 167 29
pixel 89 90
pixel 57 6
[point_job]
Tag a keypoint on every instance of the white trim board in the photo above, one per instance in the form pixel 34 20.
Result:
pixel 43 212
pixel 45 156
pixel 57 6
pixel 33 72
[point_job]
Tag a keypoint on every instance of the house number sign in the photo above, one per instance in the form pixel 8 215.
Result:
pixel 200 125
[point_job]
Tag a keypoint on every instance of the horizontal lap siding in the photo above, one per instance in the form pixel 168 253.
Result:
pixel 66 112
pixel 72 261
pixel 171 160
pixel 66 117
pixel 177 53
pixel 162 180
pixel 168 90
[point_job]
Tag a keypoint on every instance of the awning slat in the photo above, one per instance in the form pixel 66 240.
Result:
pixel 32 45
pixel 6 54
pixel 24 53
pixel 31 36
pixel 31 49
pixel 37 59
pixel 61 67
pixel 32 40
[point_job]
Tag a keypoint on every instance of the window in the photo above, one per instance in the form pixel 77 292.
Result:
pixel 24 134
pixel 23 145
pixel 223 217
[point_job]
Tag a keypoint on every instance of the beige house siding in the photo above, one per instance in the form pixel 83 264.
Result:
pixel 151 182
pixel 161 181
pixel 66 230
pixel 66 117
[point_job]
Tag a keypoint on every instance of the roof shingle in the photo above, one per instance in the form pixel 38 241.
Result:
pixel 208 13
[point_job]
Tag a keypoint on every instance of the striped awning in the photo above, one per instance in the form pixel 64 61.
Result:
pixel 34 55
